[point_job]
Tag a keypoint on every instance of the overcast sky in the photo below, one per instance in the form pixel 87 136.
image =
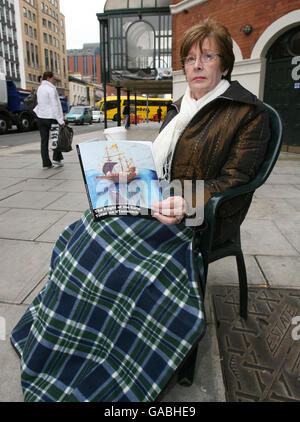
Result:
pixel 82 25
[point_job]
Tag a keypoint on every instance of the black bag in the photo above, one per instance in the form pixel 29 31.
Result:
pixel 65 138
pixel 31 100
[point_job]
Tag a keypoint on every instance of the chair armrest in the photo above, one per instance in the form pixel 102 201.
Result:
pixel 217 199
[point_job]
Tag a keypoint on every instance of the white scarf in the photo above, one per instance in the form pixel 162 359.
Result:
pixel 164 144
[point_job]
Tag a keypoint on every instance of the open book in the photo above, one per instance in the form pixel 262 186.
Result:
pixel 120 177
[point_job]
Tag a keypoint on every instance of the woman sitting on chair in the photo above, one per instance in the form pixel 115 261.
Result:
pixel 122 307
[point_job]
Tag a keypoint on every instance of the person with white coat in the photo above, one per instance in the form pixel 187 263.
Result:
pixel 49 111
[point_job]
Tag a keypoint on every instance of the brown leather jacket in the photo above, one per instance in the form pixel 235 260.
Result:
pixel 224 144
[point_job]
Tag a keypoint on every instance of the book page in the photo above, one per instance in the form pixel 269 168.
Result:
pixel 120 177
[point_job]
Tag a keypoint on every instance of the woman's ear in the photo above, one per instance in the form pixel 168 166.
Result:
pixel 224 74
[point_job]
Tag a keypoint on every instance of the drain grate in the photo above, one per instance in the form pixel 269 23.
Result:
pixel 260 357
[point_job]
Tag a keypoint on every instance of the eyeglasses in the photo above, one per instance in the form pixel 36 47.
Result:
pixel 207 57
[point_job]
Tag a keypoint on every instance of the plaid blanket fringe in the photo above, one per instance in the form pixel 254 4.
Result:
pixel 118 315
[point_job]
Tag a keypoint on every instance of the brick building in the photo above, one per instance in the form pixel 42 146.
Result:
pixel 266 36
pixel 43 42
pixel 86 62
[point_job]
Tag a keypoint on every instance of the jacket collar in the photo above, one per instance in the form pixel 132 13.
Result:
pixel 236 92
pixel 48 84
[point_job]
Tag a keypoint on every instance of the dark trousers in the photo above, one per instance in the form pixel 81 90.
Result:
pixel 44 127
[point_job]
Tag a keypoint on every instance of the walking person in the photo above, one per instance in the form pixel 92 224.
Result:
pixel 159 114
pixel 48 111
pixel 126 114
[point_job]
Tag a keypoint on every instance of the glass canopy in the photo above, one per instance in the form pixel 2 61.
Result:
pixel 135 4
pixel 136 43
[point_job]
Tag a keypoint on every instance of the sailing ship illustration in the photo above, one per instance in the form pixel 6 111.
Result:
pixel 117 167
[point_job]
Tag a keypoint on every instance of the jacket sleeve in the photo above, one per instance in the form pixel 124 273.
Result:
pixel 244 159
pixel 56 106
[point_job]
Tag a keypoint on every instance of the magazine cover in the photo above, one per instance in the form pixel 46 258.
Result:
pixel 120 177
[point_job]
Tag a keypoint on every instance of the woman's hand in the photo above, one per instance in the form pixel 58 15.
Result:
pixel 169 211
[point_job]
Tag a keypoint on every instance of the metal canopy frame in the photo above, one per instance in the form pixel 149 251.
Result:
pixel 113 50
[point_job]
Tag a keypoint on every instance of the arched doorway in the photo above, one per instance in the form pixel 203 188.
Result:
pixel 282 89
pixel 140 45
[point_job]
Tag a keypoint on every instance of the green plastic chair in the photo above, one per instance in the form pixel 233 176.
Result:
pixel 203 240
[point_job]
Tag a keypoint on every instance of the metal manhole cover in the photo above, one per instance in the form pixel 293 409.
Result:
pixel 260 357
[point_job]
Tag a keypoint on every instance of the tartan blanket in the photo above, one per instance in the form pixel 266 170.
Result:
pixel 119 313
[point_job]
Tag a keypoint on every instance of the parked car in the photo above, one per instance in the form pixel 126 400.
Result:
pixel 97 117
pixel 80 115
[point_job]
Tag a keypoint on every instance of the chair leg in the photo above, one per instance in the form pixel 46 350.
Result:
pixel 243 285
pixel 186 373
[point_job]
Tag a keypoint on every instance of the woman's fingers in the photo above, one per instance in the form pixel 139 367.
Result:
pixel 172 206
pixel 164 219
pixel 169 211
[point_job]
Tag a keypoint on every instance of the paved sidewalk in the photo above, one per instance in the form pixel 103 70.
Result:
pixel 36 205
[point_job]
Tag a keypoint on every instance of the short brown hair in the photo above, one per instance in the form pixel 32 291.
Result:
pixel 47 75
pixel 215 30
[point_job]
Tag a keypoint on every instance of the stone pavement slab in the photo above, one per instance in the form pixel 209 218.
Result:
pixel 262 237
pixel 68 186
pixel 224 271
pixel 5 182
pixel 39 185
pixel 208 383
pixel 69 174
pixel 10 385
pixel 283 272
pixel 27 224
pixel 70 202
pixel 291 168
pixel 51 235
pixel 23 265
pixel 283 179
pixel 31 172
pixel 30 298
pixel 277 191
pixel 289 226
pixel 8 192
pixel 295 202
pixel 270 208
pixel 31 199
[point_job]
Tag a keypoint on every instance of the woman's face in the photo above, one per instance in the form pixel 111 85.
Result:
pixel 203 77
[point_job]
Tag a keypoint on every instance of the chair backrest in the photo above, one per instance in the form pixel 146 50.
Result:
pixel 273 149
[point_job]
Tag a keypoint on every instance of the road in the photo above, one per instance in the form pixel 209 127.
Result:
pixel 15 138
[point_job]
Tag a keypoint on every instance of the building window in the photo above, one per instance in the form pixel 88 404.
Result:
pixel 37 56
pixel 46 59
pixel 55 62
pixel 51 61
pixel 28 53
pixel 32 55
